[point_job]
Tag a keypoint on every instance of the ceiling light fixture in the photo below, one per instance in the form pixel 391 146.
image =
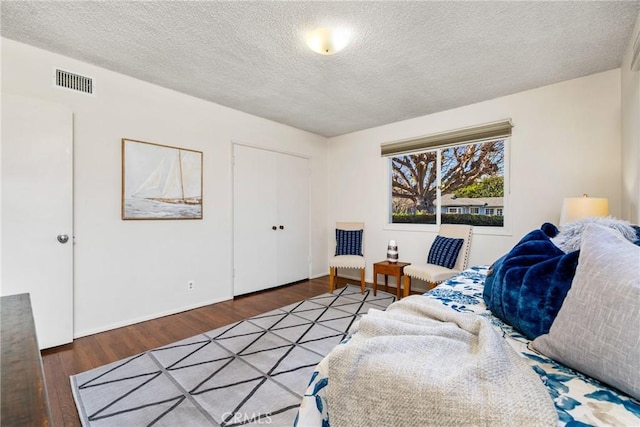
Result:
pixel 327 41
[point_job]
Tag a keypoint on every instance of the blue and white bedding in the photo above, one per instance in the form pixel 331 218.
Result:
pixel 579 400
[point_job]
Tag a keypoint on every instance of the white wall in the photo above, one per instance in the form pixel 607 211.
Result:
pixel 566 142
pixel 126 271
pixel 631 135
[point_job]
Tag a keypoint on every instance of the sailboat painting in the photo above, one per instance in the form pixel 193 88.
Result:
pixel 160 182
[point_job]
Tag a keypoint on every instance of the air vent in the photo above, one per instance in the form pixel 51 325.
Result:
pixel 73 81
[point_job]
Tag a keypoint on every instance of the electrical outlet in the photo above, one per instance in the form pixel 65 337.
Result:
pixel 191 285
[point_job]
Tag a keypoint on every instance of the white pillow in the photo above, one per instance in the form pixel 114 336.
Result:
pixel 597 330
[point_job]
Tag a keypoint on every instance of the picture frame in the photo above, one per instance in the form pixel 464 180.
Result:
pixel 160 182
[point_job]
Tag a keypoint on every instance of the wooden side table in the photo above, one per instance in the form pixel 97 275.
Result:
pixel 387 268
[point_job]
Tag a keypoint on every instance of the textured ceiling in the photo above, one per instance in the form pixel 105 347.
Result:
pixel 407 59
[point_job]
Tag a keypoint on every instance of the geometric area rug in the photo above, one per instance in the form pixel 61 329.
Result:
pixel 251 372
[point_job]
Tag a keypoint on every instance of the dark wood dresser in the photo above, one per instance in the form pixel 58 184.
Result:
pixel 24 395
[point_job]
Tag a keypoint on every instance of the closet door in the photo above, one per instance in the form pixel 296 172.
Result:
pixel 271 219
pixel 254 216
pixel 293 216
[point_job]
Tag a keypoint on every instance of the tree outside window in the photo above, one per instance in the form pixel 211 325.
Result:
pixel 469 177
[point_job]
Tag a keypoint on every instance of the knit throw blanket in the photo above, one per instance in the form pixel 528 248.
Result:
pixel 423 364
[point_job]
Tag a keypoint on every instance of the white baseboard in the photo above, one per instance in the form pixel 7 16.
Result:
pixel 145 318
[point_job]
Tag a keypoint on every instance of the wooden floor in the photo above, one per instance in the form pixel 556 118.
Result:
pixel 99 349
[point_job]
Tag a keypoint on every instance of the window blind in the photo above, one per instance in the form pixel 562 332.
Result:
pixel 494 130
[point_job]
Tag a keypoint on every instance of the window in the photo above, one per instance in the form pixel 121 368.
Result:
pixel 459 182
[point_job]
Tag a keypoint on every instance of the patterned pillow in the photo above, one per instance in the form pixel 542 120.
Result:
pixel 444 251
pixel 348 242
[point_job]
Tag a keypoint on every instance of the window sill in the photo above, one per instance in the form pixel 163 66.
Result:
pixel 433 228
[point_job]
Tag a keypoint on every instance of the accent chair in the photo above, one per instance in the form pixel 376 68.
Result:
pixel 448 256
pixel 349 252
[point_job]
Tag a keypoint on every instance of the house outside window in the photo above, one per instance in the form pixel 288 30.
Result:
pixel 458 183
pixel 450 185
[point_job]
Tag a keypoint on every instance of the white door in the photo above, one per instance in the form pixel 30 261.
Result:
pixel 293 216
pixel 37 212
pixel 270 220
pixel 254 192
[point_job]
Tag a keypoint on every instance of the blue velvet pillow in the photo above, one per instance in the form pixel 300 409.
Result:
pixel 348 242
pixel 637 242
pixel 527 286
pixel 444 251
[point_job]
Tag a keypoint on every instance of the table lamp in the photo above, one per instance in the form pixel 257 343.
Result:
pixel 575 208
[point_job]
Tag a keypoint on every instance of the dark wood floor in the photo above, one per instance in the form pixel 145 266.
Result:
pixel 106 347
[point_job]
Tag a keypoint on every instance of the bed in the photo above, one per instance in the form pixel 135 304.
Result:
pixel 577 399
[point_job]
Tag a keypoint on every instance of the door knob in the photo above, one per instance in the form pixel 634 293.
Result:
pixel 274 228
pixel 63 238
pixel 282 227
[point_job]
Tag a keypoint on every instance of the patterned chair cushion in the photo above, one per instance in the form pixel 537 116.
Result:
pixel 349 242
pixel 444 251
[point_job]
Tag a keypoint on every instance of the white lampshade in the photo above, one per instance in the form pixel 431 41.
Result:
pixel 327 41
pixel 575 208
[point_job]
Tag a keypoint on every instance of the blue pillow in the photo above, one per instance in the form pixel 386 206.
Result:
pixel 527 286
pixel 444 251
pixel 348 242
pixel 637 242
